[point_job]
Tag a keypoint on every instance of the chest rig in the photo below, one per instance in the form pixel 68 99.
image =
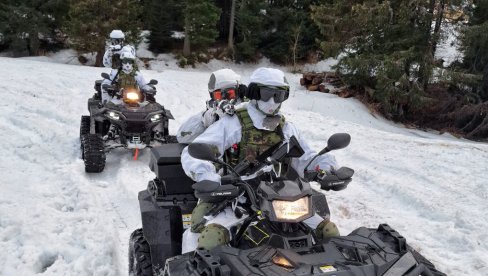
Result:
pixel 254 141
pixel 127 80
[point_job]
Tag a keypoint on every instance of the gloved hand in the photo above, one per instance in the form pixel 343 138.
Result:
pixel 115 47
pixel 227 107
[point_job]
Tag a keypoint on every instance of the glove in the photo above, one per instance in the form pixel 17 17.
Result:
pixel 115 47
pixel 227 107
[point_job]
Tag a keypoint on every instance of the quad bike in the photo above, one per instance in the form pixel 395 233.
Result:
pixel 271 238
pixel 137 122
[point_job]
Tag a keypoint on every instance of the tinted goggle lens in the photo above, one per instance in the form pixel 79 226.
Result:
pixel 127 60
pixel 279 95
pixel 228 94
pixel 116 41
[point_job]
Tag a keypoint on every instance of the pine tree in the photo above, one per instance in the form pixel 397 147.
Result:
pixel 290 31
pixel 388 47
pixel 91 21
pixel 201 18
pixel 23 22
pixel 475 46
pixel 250 16
pixel 162 18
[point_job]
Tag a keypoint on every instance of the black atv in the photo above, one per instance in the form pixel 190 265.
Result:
pixel 132 124
pixel 272 238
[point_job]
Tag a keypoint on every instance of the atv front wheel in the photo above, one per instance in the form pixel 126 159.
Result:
pixel 84 126
pixel 139 255
pixel 93 153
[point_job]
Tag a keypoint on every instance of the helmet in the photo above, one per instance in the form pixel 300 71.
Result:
pixel 224 84
pixel 127 54
pixel 117 37
pixel 117 34
pixel 223 78
pixel 269 77
pixel 266 83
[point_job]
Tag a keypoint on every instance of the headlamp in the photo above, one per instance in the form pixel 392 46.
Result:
pixel 113 115
pixel 155 118
pixel 291 210
pixel 132 96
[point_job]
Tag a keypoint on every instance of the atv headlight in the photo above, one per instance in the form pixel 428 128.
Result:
pixel 132 96
pixel 291 210
pixel 113 115
pixel 155 118
pixel 281 261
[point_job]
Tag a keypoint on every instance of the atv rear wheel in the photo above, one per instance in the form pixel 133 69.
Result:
pixel 93 153
pixel 84 126
pixel 139 255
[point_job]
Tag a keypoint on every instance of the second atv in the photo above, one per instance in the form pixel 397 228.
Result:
pixel 137 122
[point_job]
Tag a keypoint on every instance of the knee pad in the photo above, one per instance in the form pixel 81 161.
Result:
pixel 327 229
pixel 212 236
pixel 197 215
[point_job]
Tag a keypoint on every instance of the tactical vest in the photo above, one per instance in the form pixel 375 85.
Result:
pixel 127 80
pixel 254 141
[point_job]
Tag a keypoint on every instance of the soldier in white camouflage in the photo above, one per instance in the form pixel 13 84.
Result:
pixel 257 126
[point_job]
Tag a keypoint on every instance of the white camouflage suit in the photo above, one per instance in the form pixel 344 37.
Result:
pixel 227 132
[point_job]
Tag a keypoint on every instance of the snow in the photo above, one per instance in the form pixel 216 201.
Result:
pixel 321 66
pixel 57 220
pixel 449 48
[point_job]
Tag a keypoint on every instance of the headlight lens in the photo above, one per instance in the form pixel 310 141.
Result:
pixel 291 210
pixel 281 261
pixel 132 96
pixel 155 118
pixel 113 115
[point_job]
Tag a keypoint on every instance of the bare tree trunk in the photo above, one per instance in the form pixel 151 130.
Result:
pixel 99 58
pixel 186 42
pixel 230 42
pixel 424 70
pixel 296 38
pixel 437 27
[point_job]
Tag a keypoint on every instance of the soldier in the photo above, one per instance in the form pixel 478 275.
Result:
pixel 127 77
pixel 257 126
pixel 223 87
pixel 111 58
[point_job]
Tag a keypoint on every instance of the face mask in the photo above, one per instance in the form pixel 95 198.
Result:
pixel 269 107
pixel 127 68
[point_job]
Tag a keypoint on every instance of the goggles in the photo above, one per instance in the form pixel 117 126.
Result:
pixel 279 94
pixel 224 94
pixel 116 41
pixel 127 60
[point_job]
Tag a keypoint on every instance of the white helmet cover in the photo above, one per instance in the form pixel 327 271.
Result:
pixel 127 53
pixel 117 34
pixel 223 78
pixel 269 76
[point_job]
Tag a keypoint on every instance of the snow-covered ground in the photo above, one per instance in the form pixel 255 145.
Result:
pixel 57 220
